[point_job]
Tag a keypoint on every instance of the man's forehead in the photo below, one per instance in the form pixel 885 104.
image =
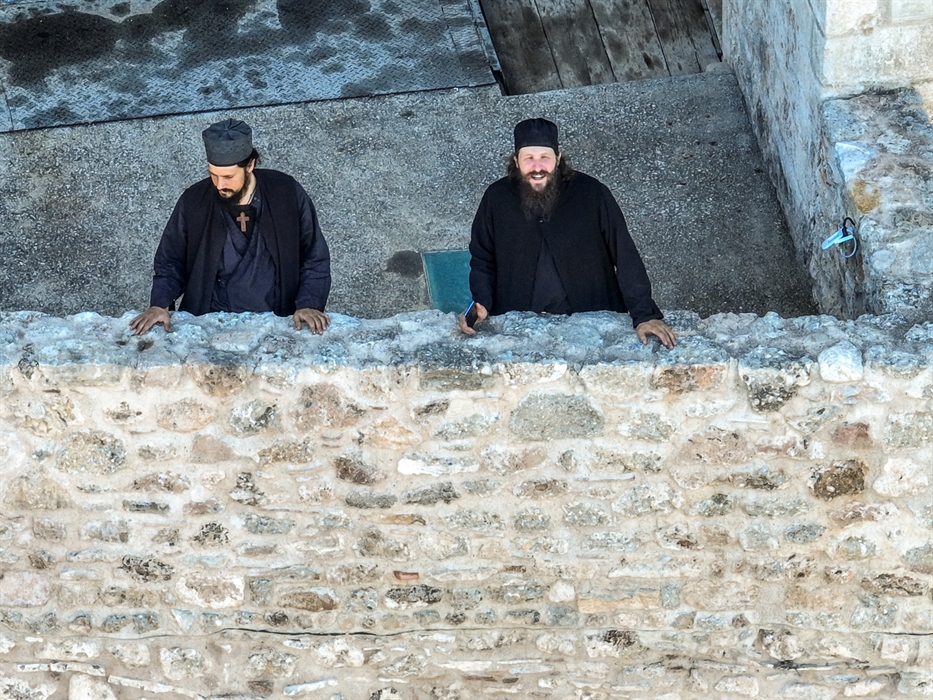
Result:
pixel 223 170
pixel 536 151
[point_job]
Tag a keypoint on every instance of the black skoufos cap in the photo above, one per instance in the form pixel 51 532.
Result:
pixel 228 142
pixel 536 132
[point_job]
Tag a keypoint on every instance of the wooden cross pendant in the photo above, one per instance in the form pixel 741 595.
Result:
pixel 242 219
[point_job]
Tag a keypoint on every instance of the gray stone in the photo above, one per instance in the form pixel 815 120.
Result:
pixel 908 430
pixel 431 495
pixel 920 559
pixel 555 416
pixel 254 417
pixel 804 533
pixel 368 499
pixel 91 452
pixel 147 569
pixel 474 520
pixel 530 520
pixel 311 599
pixel 185 416
pixel 353 469
pixel 324 405
pixel 265 525
pixel 269 663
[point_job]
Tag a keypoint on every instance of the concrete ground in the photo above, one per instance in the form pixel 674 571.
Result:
pixel 393 176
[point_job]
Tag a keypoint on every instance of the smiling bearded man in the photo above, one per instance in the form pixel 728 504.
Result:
pixel 552 240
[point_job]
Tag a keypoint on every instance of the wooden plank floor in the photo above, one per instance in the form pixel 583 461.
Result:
pixel 552 44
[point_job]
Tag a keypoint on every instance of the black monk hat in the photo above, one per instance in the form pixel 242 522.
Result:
pixel 228 142
pixel 536 132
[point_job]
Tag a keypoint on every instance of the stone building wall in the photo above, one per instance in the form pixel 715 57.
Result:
pixel 390 510
pixel 798 63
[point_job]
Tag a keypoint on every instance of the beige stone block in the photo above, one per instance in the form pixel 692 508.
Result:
pixel 851 16
pixel 24 589
pixel 211 591
pixel 926 93
pixel 891 56
pixel 911 10
pixel 640 599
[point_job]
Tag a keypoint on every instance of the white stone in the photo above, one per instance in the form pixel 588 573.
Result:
pixel 74 649
pixel 6 644
pixel 904 477
pixel 841 363
pixel 807 691
pixel 562 592
pixel 310 686
pixel 896 649
pixel 848 16
pixel 211 591
pixel 437 467
pixel 132 654
pixel 24 589
pixel 864 687
pixel 747 686
pixel 911 10
pixel 83 687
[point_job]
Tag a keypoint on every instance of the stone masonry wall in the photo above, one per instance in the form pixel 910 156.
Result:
pixel 796 61
pixel 391 510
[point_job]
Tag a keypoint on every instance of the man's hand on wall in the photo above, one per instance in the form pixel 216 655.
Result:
pixel 481 313
pixel 150 317
pixel 317 321
pixel 657 328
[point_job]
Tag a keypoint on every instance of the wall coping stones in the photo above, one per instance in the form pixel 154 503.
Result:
pixel 429 341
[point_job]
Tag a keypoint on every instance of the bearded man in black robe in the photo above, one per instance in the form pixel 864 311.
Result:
pixel 242 239
pixel 549 239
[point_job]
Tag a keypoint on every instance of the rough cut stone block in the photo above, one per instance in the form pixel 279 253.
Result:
pixel 91 452
pixel 180 663
pixel 908 430
pixel 840 479
pixel 185 416
pixel 219 381
pixel 436 466
pixel 312 599
pixel 841 363
pixel 324 406
pixel 351 468
pixel 555 416
pixel 24 589
pixel 212 591
pixel 904 477
pixel 36 492
pixel 254 417
pixel 506 461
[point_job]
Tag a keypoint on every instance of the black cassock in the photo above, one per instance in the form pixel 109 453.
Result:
pixel 283 266
pixel 594 257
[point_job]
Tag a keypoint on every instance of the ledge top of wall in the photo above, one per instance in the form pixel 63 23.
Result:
pixel 429 340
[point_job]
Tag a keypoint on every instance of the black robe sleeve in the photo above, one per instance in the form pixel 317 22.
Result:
pixel 630 270
pixel 169 271
pixel 483 256
pixel 314 269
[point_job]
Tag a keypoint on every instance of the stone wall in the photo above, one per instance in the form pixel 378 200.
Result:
pixel 390 510
pixel 797 61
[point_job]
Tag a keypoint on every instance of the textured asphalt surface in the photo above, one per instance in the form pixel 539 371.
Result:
pixel 393 176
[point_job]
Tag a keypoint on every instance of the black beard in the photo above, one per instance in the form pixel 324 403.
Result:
pixel 538 203
pixel 233 200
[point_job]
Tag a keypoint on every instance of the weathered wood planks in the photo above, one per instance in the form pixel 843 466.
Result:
pixel 575 42
pixel 551 44
pixel 630 39
pixel 524 52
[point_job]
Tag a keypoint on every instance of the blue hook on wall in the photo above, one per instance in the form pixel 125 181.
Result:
pixel 840 237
